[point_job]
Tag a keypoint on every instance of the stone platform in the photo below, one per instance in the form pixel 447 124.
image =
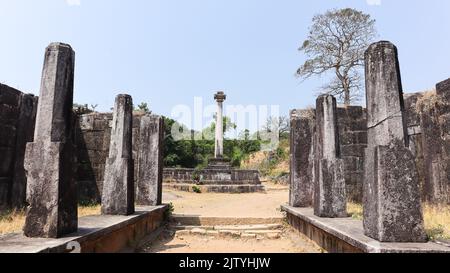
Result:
pixel 216 178
pixel 346 235
pixel 96 234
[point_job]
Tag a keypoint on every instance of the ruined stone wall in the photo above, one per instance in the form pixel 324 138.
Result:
pixel 413 122
pixel 428 119
pixel 17 119
pixel 93 140
pixel 352 123
pixel 207 176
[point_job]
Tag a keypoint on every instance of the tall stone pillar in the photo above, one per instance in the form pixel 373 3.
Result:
pixel 118 185
pixel 150 161
pixel 392 202
pixel 220 97
pixel 301 139
pixel 49 162
pixel 329 180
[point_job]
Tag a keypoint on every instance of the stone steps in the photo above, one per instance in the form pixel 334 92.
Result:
pixel 193 220
pixel 222 227
pixel 245 188
pixel 212 182
pixel 258 232
pixel 233 227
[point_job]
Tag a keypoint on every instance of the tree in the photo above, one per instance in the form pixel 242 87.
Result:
pixel 280 124
pixel 336 42
pixel 144 108
pixel 93 107
pixel 81 109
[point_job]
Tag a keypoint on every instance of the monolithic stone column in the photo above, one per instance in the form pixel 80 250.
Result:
pixel 392 202
pixel 301 184
pixel 220 97
pixel 49 163
pixel 329 180
pixel 118 186
pixel 150 161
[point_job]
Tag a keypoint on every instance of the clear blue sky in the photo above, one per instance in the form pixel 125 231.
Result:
pixel 165 52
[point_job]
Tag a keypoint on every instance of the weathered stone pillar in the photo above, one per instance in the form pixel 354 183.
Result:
pixel 329 181
pixel 301 138
pixel 49 161
pixel 150 161
pixel 220 97
pixel 24 134
pixel 118 186
pixel 392 202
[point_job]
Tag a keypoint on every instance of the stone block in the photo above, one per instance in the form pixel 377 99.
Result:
pixel 6 162
pixel 353 164
pixel 7 135
pixel 9 96
pixel 443 89
pixel 9 114
pixel 355 150
pixel 396 200
pixel 353 137
pixel 4 186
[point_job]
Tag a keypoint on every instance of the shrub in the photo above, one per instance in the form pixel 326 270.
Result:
pixel 169 212
pixel 196 189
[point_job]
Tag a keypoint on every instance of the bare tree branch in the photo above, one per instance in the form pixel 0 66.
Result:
pixel 336 42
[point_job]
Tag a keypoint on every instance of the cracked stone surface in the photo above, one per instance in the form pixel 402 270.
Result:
pixel 330 198
pixel 49 161
pixel 118 187
pixel 392 203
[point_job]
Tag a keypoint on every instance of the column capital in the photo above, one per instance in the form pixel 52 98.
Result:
pixel 220 96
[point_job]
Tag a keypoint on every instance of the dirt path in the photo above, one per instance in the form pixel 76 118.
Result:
pixel 255 205
pixel 228 205
pixel 290 242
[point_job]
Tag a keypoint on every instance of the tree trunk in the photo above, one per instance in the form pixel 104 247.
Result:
pixel 346 87
pixel 347 100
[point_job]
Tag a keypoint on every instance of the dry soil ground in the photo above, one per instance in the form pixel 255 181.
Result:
pixel 255 205
pixel 290 242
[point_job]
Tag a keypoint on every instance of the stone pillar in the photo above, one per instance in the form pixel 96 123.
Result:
pixel 49 162
pixel 220 97
pixel 150 161
pixel 329 179
pixel 24 134
pixel 392 202
pixel 301 184
pixel 118 186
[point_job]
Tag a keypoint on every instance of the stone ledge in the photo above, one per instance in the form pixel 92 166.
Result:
pixel 346 235
pixel 230 189
pixel 96 234
pixel 197 220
